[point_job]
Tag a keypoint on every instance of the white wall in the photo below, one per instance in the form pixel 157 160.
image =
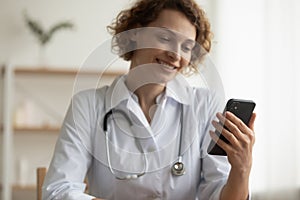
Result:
pixel 240 50
pixel 257 55
pixel 68 47
pixel 1 117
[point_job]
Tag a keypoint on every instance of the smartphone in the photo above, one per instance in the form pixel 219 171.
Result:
pixel 241 108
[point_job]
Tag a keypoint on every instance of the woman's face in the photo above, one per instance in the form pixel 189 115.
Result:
pixel 166 46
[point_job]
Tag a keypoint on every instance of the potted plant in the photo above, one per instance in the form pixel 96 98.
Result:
pixel 44 36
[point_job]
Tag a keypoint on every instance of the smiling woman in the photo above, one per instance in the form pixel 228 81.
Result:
pixel 145 12
pixel 168 49
pixel 146 135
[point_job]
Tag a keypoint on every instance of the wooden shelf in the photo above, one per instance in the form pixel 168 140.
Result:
pixel 23 70
pixel 35 129
pixel 21 187
pixel 24 77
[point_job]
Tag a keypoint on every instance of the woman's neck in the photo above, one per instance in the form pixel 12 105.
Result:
pixel 146 93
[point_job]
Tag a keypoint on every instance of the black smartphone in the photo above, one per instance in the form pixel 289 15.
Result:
pixel 241 108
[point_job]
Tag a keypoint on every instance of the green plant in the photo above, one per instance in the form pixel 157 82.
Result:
pixel 45 36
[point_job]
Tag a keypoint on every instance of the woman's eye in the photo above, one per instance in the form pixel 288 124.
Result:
pixel 164 38
pixel 187 48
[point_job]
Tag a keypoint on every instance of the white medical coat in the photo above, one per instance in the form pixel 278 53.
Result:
pixel 81 148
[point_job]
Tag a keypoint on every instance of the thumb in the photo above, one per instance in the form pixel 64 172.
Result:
pixel 251 122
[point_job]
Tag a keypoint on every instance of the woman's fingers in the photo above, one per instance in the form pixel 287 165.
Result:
pixel 229 123
pixel 226 147
pixel 238 132
pixel 229 136
pixel 240 136
pixel 251 122
pixel 246 134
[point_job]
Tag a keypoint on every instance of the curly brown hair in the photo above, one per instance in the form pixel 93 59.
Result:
pixel 145 11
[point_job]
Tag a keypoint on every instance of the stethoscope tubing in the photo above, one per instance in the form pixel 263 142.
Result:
pixel 177 168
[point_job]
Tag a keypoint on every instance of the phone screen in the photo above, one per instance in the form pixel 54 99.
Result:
pixel 243 109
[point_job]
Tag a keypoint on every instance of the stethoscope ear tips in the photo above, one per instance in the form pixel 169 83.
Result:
pixel 178 169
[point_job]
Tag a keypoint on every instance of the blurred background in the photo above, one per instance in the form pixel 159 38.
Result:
pixel 255 49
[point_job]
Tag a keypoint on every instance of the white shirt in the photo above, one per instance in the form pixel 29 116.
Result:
pixel 81 147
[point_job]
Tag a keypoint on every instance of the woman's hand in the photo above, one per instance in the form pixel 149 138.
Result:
pixel 241 140
pixel 239 152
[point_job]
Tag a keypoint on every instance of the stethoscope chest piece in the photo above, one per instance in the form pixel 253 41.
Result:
pixel 178 169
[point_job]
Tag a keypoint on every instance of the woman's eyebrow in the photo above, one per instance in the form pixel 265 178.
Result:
pixel 193 42
pixel 174 33
pixel 165 29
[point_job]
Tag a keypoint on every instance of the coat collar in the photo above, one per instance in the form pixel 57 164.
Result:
pixel 178 89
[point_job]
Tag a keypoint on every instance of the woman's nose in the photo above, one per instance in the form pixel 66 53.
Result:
pixel 173 55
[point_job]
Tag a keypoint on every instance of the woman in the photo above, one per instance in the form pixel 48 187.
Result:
pixel 169 121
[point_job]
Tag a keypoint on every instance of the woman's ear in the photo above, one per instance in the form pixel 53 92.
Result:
pixel 133 33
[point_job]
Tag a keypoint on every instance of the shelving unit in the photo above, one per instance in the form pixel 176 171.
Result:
pixel 59 71
pixel 46 90
pixel 32 129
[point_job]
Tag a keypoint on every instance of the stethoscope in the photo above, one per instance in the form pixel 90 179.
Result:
pixel 177 168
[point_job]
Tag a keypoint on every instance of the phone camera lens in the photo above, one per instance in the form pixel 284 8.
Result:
pixel 234 107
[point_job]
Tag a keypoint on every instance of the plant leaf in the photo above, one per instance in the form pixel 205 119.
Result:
pixel 57 27
pixel 35 27
pixel 43 36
